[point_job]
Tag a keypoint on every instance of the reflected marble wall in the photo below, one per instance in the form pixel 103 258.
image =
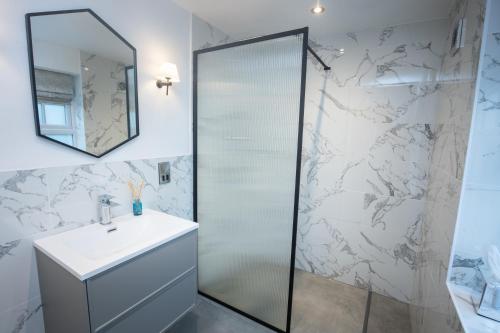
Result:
pixel 105 103
pixel 36 203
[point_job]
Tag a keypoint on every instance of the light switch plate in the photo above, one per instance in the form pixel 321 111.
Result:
pixel 164 173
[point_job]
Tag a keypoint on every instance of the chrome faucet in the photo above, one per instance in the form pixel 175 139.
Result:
pixel 105 205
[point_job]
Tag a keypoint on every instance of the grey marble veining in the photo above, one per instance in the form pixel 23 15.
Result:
pixel 23 204
pixel 385 139
pixel 369 132
pixel 34 203
pixel 465 272
pixel 24 317
pixel 394 55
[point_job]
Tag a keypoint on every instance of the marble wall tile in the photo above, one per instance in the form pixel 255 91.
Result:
pixel 36 203
pixel 370 128
pixel 73 193
pixel 385 139
pixel 463 65
pixel 453 127
pixel 24 208
pixel 391 55
pixel 465 272
pixel 177 199
pixel 363 239
pixel 24 318
pixel 206 35
pixel 18 272
pixel 104 103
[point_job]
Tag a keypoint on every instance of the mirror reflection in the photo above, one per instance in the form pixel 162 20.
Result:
pixel 85 83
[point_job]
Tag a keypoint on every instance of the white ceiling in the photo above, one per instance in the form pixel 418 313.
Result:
pixel 249 18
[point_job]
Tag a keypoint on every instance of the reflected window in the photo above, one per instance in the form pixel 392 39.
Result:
pixel 56 121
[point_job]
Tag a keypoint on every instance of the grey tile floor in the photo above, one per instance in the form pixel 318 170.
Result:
pixel 388 316
pixel 320 305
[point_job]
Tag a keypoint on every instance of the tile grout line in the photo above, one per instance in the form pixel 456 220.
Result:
pixel 367 311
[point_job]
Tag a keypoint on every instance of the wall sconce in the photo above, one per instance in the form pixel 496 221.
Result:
pixel 169 74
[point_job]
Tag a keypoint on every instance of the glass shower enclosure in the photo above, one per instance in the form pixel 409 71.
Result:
pixel 248 113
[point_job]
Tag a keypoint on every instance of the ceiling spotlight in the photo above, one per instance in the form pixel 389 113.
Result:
pixel 318 9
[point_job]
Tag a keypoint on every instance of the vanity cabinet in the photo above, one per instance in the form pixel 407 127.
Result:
pixel 147 293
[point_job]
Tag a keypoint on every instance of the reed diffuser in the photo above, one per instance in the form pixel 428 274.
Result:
pixel 136 191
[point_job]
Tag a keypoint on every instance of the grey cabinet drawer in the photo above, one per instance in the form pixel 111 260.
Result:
pixel 117 290
pixel 158 313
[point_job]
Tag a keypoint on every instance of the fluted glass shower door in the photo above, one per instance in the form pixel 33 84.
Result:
pixel 247 137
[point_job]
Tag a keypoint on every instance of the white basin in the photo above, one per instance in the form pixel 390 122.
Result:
pixel 92 249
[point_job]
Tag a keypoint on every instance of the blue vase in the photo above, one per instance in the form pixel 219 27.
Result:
pixel 137 207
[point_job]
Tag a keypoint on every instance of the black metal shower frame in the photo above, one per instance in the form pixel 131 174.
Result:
pixel 305 47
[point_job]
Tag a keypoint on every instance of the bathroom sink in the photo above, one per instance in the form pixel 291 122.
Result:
pixel 97 241
pixel 92 249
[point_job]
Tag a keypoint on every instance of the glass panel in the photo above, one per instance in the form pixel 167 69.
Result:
pixel 55 114
pixel 64 138
pixel 248 109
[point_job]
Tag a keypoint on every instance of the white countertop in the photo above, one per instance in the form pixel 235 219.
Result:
pixel 471 321
pixel 92 249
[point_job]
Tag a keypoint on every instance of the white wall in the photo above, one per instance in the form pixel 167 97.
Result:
pixel 159 30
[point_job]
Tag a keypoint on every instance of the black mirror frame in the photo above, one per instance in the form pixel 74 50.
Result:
pixel 33 83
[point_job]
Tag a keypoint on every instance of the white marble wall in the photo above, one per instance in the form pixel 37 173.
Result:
pixel 370 127
pixel 432 310
pixel 104 103
pixel 35 203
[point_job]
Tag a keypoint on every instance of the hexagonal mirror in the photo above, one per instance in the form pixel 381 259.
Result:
pixel 84 81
